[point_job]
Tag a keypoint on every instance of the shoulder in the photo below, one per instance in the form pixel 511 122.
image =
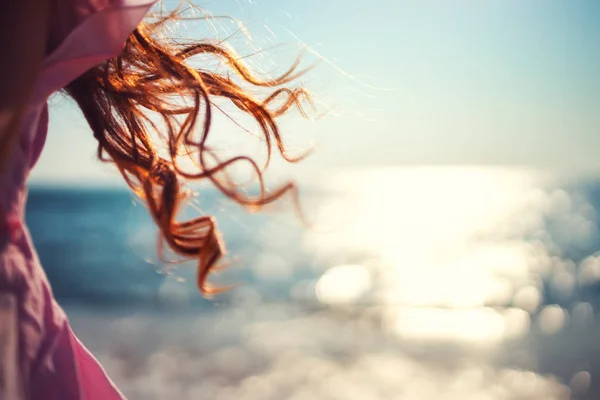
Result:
pixel 84 33
pixel 67 15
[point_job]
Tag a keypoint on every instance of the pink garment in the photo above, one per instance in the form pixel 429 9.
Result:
pixel 40 357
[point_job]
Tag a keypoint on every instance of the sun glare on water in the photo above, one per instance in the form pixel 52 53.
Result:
pixel 451 248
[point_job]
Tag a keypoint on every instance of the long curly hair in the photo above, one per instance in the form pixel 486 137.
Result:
pixel 152 75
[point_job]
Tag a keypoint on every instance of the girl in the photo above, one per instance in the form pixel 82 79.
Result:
pixel 118 72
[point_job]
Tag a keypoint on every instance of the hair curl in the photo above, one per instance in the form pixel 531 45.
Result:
pixel 151 76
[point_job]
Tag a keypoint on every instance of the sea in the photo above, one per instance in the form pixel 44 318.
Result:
pixel 411 283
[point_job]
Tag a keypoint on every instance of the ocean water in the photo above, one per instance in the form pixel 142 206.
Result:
pixel 410 283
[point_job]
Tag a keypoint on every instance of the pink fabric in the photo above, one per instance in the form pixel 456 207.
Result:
pixel 52 362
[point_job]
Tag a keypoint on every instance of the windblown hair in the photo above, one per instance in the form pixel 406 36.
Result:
pixel 152 76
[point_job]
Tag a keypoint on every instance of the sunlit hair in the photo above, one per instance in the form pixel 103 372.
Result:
pixel 152 76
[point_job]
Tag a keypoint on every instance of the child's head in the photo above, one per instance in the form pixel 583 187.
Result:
pixel 151 76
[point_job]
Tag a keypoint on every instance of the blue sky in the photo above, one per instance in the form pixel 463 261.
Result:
pixel 466 82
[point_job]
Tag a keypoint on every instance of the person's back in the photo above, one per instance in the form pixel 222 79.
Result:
pixel 46 45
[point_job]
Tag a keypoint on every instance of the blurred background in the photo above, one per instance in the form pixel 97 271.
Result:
pixel 454 197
